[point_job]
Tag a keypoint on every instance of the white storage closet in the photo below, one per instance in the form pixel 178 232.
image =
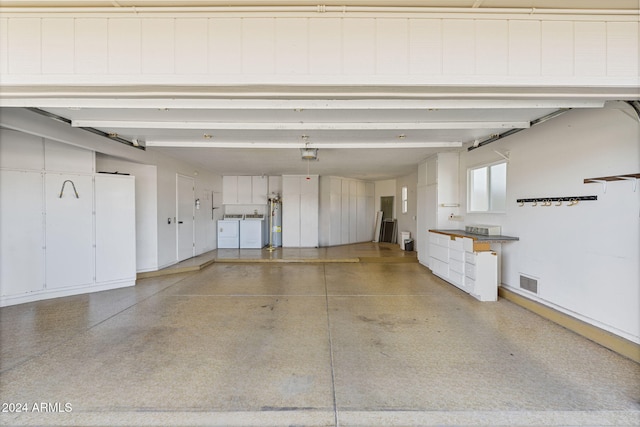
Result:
pixel 56 246
pixel 300 211
pixel 437 186
pixel 347 211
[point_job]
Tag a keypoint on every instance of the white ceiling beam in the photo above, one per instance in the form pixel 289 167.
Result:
pixel 319 145
pixel 124 124
pixel 299 104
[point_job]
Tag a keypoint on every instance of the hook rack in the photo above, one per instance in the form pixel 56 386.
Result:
pixel 74 189
pixel 548 201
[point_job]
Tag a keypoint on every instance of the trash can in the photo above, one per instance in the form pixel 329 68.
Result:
pixel 408 245
pixel 404 236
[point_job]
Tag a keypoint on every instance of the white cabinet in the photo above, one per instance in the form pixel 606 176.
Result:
pixel 346 211
pixel 84 241
pixel 22 231
pixel 437 186
pixel 481 269
pixel 300 210
pixel 244 190
pixel 453 259
pixel 115 228
pixel 244 195
pixel 69 230
pixel 230 190
pixel 259 190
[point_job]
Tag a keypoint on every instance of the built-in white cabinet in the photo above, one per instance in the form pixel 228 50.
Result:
pixel 244 190
pixel 300 204
pixel 346 211
pixel 115 231
pixel 454 259
pixel 65 234
pixel 65 229
pixel 244 196
pixel 259 190
pixel 69 236
pixel 438 198
pixel 22 232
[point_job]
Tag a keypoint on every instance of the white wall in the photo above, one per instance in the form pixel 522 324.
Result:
pixel 334 48
pixel 206 238
pixel 585 257
pixel 146 207
pixel 407 221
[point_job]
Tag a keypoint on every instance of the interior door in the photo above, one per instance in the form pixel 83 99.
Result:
pixel 185 217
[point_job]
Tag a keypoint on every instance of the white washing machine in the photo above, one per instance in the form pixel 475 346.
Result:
pixel 252 232
pixel 229 232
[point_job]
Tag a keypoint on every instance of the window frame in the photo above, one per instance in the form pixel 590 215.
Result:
pixel 405 199
pixel 488 167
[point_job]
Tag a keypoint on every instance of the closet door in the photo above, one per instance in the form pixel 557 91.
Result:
pixel 115 228
pixel 309 211
pixel 21 228
pixel 70 256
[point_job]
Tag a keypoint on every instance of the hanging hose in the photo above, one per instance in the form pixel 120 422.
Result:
pixel 74 188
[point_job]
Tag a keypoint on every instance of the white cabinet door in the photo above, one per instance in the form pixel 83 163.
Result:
pixel 309 211
pixel 259 188
pixel 229 190
pixel 291 220
pixel 344 223
pixel 70 257
pixel 115 228
pixel 244 190
pixel 300 211
pixel 21 228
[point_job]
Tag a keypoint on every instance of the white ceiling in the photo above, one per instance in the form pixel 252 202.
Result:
pixel 367 138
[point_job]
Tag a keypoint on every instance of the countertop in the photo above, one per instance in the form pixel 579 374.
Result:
pixel 477 237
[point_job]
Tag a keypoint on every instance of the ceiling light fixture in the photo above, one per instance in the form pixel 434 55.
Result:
pixel 309 153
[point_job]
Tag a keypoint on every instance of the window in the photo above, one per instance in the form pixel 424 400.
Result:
pixel 405 200
pixel 487 189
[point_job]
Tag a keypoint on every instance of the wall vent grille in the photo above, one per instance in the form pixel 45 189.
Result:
pixel 529 284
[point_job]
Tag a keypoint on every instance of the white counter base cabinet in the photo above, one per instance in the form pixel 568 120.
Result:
pixel 481 271
pixel 454 260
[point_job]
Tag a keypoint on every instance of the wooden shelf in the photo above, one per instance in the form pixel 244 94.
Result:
pixel 604 179
pixel 613 178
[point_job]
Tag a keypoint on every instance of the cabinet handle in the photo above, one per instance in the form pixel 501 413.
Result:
pixel 179 222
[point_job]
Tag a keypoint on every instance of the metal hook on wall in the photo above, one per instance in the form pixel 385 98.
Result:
pixel 74 188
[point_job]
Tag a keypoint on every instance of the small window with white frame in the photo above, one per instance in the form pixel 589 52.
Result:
pixel 487 188
pixel 405 200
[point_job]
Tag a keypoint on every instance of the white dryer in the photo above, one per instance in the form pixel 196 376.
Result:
pixel 229 232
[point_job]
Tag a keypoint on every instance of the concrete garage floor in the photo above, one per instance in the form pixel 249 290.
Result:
pixel 305 344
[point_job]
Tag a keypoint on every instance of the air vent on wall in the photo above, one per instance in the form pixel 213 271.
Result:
pixel 529 284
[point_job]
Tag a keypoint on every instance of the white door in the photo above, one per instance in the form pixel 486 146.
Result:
pixel 185 224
